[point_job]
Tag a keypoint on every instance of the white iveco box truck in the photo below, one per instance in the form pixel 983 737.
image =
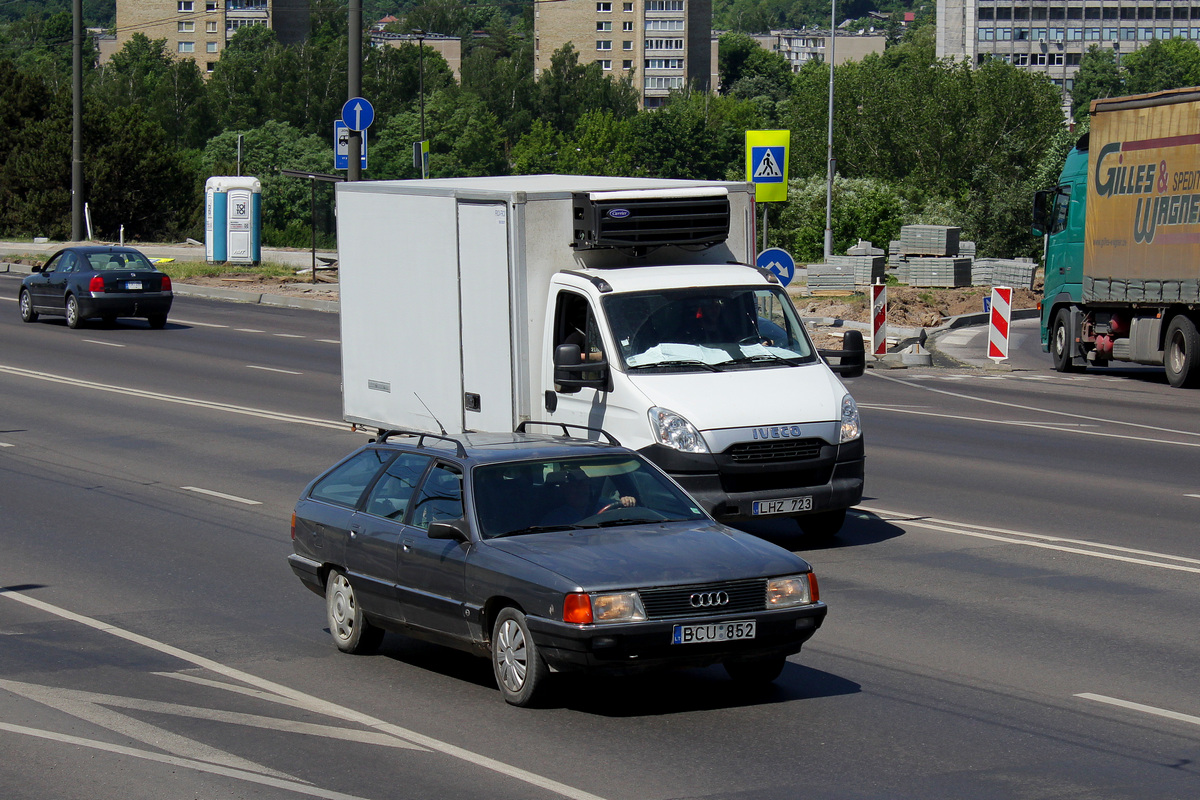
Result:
pixel 619 304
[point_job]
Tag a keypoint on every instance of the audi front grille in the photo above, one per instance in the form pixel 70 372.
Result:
pixel 705 600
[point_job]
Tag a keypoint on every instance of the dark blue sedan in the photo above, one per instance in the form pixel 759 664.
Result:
pixel 546 553
pixel 81 283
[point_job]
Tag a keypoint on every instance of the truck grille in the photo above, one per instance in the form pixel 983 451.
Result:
pixel 675 601
pixel 775 450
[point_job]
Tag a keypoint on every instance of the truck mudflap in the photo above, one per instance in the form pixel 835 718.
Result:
pixel 831 478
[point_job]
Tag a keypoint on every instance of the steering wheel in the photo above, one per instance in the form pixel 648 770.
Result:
pixel 752 339
pixel 609 507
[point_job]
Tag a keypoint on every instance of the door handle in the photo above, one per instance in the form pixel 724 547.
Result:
pixel 406 545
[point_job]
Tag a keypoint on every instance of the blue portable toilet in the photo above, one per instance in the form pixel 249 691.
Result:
pixel 233 219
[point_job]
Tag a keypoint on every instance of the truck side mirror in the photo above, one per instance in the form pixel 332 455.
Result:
pixel 852 358
pixel 570 368
pixel 1042 202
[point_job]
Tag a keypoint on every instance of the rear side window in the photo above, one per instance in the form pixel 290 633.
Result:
pixel 390 495
pixel 345 484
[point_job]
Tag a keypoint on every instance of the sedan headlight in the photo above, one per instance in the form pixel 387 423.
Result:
pixel 675 432
pixel 851 428
pixel 585 609
pixel 792 590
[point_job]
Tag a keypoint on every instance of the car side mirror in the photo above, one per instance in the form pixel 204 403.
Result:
pixel 852 358
pixel 455 530
pixel 36 268
pixel 569 368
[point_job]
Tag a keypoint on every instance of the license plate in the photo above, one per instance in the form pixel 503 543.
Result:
pixel 783 505
pixel 715 632
pixel 136 285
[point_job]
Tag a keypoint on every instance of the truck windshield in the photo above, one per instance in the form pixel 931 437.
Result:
pixel 709 328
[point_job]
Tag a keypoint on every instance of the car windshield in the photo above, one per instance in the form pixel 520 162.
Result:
pixel 529 497
pixel 114 261
pixel 709 329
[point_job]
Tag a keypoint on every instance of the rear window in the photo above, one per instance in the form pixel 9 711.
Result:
pixel 117 261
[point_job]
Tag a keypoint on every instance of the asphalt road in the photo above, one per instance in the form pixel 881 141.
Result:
pixel 1012 610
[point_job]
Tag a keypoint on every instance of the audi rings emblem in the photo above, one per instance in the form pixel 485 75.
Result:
pixel 709 599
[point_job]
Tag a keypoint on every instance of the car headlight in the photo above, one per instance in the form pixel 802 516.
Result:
pixel 675 432
pixel 792 590
pixel 585 609
pixel 851 427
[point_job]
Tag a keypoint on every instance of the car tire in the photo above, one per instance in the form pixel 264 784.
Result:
pixel 157 321
pixel 351 631
pixel 755 671
pixel 73 318
pixel 823 526
pixel 1061 339
pixel 1181 353
pixel 516 660
pixel 26 303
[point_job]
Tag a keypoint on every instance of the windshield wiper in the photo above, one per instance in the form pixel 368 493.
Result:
pixel 680 362
pixel 765 357
pixel 537 529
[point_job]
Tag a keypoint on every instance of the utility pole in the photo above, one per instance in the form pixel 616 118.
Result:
pixel 829 153
pixel 354 72
pixel 77 121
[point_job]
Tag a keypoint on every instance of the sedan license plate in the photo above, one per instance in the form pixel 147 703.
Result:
pixel 133 285
pixel 782 505
pixel 715 632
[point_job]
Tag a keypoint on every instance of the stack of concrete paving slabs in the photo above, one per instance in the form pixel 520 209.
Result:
pixel 1018 273
pixel 831 277
pixel 945 272
pixel 929 240
pixel 866 269
pixel 966 249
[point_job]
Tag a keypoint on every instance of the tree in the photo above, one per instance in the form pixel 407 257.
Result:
pixel 568 89
pixel 234 86
pixel 537 152
pixel 1162 64
pixel 1098 76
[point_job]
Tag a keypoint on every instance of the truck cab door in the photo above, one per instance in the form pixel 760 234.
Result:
pixel 1063 250
pixel 574 323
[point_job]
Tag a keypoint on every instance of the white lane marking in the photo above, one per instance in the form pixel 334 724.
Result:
pixel 166 398
pixel 12 299
pixel 1158 712
pixel 1035 409
pixel 106 344
pixel 330 341
pixel 315 704
pixel 6 444
pixel 273 369
pixel 1042 425
pixel 1039 540
pixel 93 708
pixel 250 330
pixel 1186 495
pixel 197 324
pixel 175 761
pixel 288 335
pixel 222 495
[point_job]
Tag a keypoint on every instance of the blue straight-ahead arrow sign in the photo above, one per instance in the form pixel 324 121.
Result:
pixel 358 114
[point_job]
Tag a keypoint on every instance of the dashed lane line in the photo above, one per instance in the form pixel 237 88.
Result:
pixel 1145 709
pixel 106 344
pixel 274 369
pixel 232 497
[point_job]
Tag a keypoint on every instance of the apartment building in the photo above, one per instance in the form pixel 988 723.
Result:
pixel 813 44
pixel 199 29
pixel 664 44
pixel 1051 37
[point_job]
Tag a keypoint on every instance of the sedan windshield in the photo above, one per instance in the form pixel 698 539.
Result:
pixel 527 497
pixel 709 328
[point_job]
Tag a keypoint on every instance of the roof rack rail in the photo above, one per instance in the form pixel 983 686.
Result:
pixel 461 451
pixel 565 425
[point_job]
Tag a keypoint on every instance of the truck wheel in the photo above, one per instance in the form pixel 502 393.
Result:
pixel 1062 338
pixel 1181 355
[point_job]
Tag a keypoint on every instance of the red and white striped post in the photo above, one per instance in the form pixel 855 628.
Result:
pixel 879 319
pixel 998 328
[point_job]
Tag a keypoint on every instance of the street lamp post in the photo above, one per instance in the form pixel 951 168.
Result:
pixel 829 152
pixel 420 152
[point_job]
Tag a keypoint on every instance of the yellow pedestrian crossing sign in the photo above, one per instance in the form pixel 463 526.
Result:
pixel 767 164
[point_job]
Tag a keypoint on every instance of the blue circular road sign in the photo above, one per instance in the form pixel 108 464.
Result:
pixel 778 261
pixel 358 114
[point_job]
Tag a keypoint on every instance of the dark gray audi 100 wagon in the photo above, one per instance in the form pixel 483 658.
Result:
pixel 544 552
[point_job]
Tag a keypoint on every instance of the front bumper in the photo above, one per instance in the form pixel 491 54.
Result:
pixel 125 304
pixel 834 479
pixel 647 645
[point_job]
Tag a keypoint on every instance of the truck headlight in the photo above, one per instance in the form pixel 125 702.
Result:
pixel 851 428
pixel 793 590
pixel 675 432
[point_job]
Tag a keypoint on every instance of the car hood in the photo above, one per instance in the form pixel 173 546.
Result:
pixel 744 398
pixel 664 554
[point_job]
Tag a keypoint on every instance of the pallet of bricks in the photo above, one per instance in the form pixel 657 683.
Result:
pixel 845 273
pixel 1018 273
pixel 928 255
